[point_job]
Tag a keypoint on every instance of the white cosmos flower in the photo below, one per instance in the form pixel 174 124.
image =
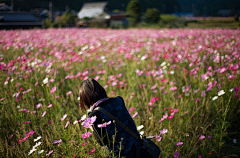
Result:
pixel 75 122
pixel 141 133
pixel 31 151
pixel 12 80
pixel 171 72
pixel 39 152
pixel 45 81
pixel 140 127
pixel 163 63
pixel 37 144
pixel 78 98
pixel 230 90
pixel 221 92
pixel 215 97
pixel 84 117
pixel 37 138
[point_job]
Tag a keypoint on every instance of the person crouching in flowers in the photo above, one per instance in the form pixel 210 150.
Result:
pixel 105 130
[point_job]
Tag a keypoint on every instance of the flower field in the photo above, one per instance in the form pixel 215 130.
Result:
pixel 180 85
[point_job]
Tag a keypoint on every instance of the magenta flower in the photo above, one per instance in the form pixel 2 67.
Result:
pixel 38 105
pixel 92 151
pixel 64 116
pixel 50 152
pixel 44 113
pixel 159 138
pixel 49 105
pixel 53 89
pixel 84 143
pixel 131 109
pixel 89 122
pixel 201 137
pixel 26 122
pixel 68 93
pixel 86 135
pixel 105 124
pixel 176 154
pixel 236 89
pixel 164 131
pixel 66 124
pixel 179 143
pixel 57 141
pixel 203 94
pixel 135 114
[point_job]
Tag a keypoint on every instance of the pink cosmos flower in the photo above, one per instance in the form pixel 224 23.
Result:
pixel 201 137
pixel 26 122
pixel 159 138
pixel 89 122
pixel 176 154
pixel 44 113
pixel 64 116
pixel 164 131
pixel 57 141
pixel 92 151
pixel 135 114
pixel 38 105
pixel 105 124
pixel 86 135
pixel 66 124
pixel 179 143
pixel 131 109
pixel 53 89
pixel 84 143
pixel 173 88
pixel 154 86
pixel 50 152
pixel 68 93
pixel 51 105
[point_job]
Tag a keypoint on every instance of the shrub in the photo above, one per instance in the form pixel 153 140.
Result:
pixel 152 15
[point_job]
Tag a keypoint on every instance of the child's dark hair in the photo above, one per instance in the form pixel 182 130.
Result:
pixel 90 91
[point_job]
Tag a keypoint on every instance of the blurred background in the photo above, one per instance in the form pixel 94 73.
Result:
pixel 119 13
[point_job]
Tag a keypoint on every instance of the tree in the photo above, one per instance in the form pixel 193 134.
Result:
pixel 152 15
pixel 134 12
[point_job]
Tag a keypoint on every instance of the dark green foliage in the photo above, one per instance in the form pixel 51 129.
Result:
pixel 236 18
pixel 134 12
pixel 152 15
pixel 66 20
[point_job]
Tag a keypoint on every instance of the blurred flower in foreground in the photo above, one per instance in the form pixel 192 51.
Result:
pixel 221 92
pixel 104 124
pixel 215 98
pixel 86 135
pixel 201 137
pixel 176 154
pixel 50 152
pixel 164 131
pixel 39 152
pixel 64 116
pixel 140 127
pixel 89 122
pixel 92 151
pixel 179 143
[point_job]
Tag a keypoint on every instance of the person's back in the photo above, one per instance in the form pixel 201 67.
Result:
pixel 92 94
pixel 123 140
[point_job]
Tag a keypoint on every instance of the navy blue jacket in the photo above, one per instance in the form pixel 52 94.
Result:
pixel 117 108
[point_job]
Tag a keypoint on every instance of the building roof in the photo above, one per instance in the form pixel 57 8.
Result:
pixel 92 10
pixel 18 17
pixel 4 7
